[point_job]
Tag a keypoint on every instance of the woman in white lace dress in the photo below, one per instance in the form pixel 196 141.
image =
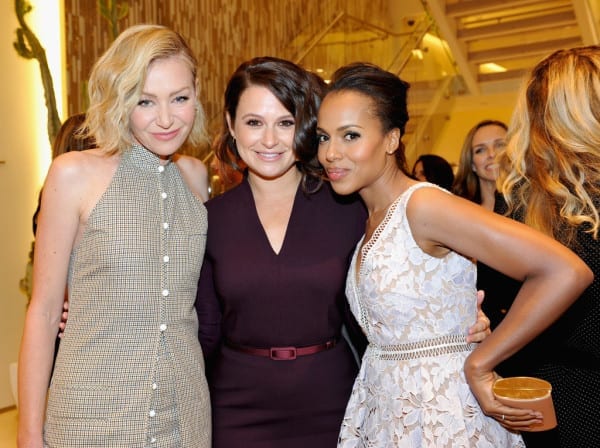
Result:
pixel 411 284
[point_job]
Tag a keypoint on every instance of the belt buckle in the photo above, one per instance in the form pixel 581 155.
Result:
pixel 282 353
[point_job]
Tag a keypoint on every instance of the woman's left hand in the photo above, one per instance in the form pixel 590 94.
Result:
pixel 514 419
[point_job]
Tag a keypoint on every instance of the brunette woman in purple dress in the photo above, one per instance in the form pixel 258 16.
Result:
pixel 271 301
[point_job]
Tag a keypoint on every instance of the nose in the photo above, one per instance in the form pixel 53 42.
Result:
pixel 269 137
pixel 331 152
pixel 165 117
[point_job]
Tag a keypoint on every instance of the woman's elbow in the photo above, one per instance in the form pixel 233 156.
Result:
pixel 581 275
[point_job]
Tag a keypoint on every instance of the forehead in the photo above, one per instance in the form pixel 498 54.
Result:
pixel 488 133
pixel 259 98
pixel 174 67
pixel 347 105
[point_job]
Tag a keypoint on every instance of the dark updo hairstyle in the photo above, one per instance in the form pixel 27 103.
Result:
pixel 387 92
pixel 298 90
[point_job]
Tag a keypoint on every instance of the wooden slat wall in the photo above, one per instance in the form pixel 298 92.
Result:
pixel 223 33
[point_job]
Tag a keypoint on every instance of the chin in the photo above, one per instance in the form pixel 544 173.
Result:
pixel 340 189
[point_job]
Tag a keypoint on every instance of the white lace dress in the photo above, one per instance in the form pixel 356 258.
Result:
pixel 415 310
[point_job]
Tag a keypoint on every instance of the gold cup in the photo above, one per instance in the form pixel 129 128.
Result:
pixel 527 393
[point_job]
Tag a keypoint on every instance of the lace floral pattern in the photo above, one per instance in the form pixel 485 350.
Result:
pixel 403 296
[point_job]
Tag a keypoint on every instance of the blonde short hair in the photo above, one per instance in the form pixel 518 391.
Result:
pixel 117 80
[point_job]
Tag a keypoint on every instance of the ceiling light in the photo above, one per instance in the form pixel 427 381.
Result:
pixel 417 53
pixel 491 67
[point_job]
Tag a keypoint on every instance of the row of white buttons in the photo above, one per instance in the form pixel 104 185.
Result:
pixel 165 293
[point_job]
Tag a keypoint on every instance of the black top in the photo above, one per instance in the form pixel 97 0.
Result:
pixel 567 354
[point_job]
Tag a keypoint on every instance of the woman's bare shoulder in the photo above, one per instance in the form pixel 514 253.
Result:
pixel 195 175
pixel 82 170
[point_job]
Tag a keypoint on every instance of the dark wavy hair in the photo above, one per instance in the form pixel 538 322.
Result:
pixel 388 93
pixel 437 170
pixel 300 92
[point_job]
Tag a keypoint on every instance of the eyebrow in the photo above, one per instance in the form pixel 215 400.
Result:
pixel 176 92
pixel 489 141
pixel 255 115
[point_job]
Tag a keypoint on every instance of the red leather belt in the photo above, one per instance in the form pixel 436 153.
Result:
pixel 283 353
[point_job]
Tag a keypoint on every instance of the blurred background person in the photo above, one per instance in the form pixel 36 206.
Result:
pixel 435 169
pixel 477 171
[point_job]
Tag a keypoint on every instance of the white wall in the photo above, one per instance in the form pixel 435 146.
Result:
pixel 25 149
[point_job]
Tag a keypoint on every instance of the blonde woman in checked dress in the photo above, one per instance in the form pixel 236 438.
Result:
pixel 412 287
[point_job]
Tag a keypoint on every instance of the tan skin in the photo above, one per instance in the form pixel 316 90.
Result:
pixel 359 156
pixel 75 183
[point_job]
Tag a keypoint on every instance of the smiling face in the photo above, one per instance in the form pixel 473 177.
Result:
pixel 487 142
pixel 264 133
pixel 164 115
pixel 353 147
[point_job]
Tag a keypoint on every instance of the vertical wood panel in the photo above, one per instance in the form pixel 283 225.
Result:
pixel 222 33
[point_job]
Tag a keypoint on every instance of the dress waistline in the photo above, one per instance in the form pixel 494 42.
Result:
pixel 283 353
pixel 443 345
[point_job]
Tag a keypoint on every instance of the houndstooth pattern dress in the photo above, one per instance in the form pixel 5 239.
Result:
pixel 130 371
pixel 415 311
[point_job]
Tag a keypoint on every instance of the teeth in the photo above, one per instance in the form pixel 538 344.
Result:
pixel 268 155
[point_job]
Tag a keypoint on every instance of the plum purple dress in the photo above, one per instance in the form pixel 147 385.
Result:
pixel 251 296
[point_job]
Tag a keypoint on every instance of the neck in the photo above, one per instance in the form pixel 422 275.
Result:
pixel 488 193
pixel 382 193
pixel 277 187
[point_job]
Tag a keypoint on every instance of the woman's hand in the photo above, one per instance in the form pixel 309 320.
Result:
pixel 481 329
pixel 481 383
pixel 63 319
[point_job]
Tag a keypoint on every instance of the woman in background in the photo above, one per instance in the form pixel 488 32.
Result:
pixel 434 169
pixel 477 167
pixel 476 181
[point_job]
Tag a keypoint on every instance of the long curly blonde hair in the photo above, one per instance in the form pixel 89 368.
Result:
pixel 550 170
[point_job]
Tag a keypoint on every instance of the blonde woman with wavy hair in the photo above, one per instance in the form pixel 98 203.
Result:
pixel 551 168
pixel 117 80
pixel 550 179
pixel 123 227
